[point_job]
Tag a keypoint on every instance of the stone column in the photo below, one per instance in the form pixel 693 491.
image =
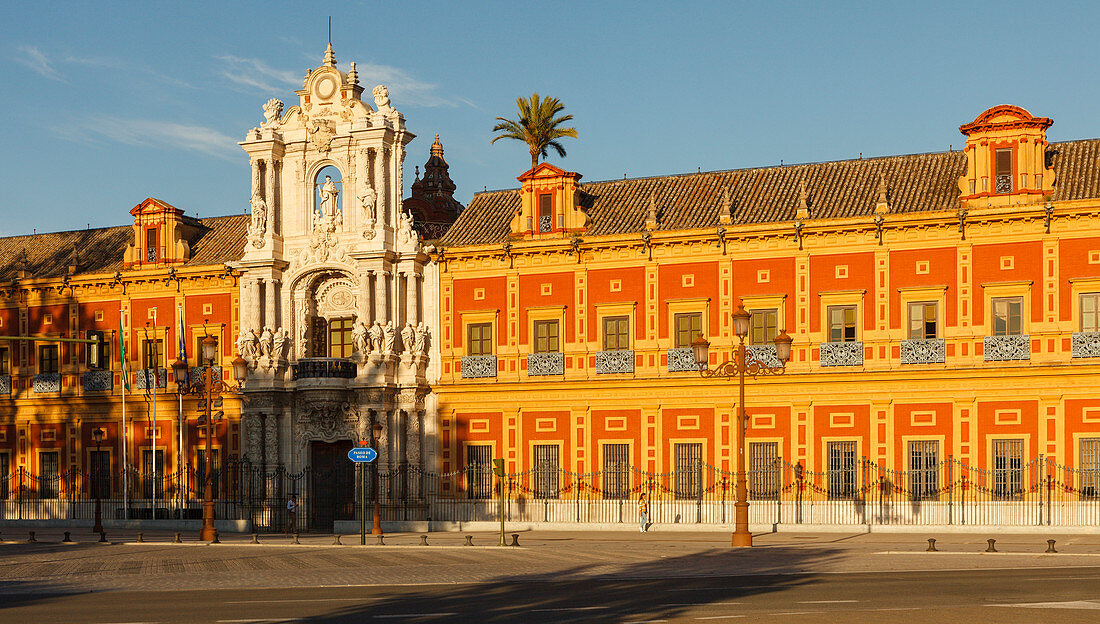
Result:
pixel 269 196
pixel 412 452
pixel 381 300
pixel 254 304
pixel 364 297
pixel 410 297
pixel 255 176
pixel 271 294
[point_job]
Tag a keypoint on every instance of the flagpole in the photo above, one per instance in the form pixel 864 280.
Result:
pixel 156 382
pixel 181 353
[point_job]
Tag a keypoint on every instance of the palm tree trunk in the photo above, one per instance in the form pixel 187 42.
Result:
pixel 534 159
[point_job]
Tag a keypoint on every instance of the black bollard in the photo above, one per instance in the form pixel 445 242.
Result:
pixel 31 540
pixel 178 540
pixel 255 538
pixel 336 540
pixel 380 542
pixel 515 539
pixel 423 540
pixel 295 540
pixel 103 537
pixel 931 545
pixel 1050 546
pixel 67 538
pixel 992 547
pixel 469 540
pixel 141 538
pixel 216 540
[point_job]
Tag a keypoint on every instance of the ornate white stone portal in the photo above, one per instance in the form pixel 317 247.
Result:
pixel 337 295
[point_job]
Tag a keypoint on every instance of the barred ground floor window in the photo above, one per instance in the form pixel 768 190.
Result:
pixel 1008 468
pixel 1089 462
pixel 547 470
pixel 479 471
pixel 49 474
pixel 924 469
pixel 689 469
pixel 764 470
pixel 616 471
pixel 842 468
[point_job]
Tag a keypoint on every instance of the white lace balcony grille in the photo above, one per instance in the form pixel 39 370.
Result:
pixel 1086 344
pixel 143 378
pixel 923 351
pixel 608 362
pixel 479 366
pixel 842 353
pixel 99 381
pixel 541 364
pixel 546 223
pixel 1007 348
pixel 765 354
pixel 5 384
pixel 47 382
pixel 682 359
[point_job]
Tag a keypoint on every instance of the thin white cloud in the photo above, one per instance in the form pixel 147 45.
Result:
pixel 154 133
pixel 32 57
pixel 106 62
pixel 404 89
pixel 256 74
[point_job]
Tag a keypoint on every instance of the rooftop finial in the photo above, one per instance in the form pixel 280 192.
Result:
pixel 437 147
pixel 353 76
pixel 726 216
pixel 882 206
pixel 803 204
pixel 330 56
pixel 651 218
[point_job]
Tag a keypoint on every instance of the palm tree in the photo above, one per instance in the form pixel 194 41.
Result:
pixel 537 126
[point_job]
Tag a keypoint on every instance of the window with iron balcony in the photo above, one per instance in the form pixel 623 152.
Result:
pixel 546 213
pixel 1002 174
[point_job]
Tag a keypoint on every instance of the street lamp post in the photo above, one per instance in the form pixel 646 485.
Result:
pixel 207 388
pixel 97 435
pixel 376 430
pixel 743 364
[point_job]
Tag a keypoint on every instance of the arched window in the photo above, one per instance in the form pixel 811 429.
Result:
pixel 328 193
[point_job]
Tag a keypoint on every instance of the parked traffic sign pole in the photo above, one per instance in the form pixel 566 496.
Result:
pixel 498 468
pixel 363 455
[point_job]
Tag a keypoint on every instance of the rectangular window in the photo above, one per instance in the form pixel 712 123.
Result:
pixel 1008 468
pixel 1090 312
pixel 48 361
pixel 98 354
pixel 49 474
pixel 1007 316
pixel 689 469
pixel 5 361
pixel 1004 170
pixel 5 474
pixel 479 339
pixel 151 245
pixel 479 471
pixel 842 469
pixel 99 473
pixel 546 337
pixel 842 323
pixel 200 472
pixel 764 326
pixel 688 326
pixel 340 343
pixel 547 469
pixel 922 321
pixel 616 471
pixel 616 333
pixel 152 353
pixel 924 469
pixel 546 213
pixel 764 470
pixel 1089 465
pixel 147 480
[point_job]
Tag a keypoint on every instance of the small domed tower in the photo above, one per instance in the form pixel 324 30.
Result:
pixel 432 203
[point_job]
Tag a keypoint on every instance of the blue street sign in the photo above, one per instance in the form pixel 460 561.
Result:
pixel 362 454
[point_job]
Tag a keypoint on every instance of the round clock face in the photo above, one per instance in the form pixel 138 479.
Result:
pixel 326 86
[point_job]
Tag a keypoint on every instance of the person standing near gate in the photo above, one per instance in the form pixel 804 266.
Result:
pixel 291 515
pixel 643 513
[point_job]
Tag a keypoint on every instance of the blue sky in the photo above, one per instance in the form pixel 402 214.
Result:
pixel 109 103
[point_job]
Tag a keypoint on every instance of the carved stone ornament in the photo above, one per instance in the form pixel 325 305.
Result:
pixel 257 225
pixel 321 133
pixel 272 110
pixel 326 422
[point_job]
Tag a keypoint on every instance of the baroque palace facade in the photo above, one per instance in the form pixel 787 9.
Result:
pixel 942 305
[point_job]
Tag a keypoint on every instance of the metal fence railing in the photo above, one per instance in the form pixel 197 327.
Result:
pixel 1038 492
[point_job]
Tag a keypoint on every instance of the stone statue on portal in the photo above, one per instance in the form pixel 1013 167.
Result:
pixel 328 198
pixel 377 336
pixel 382 99
pixel 408 337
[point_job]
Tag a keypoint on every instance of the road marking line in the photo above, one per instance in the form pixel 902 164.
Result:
pixel 261 621
pixel 1070 604
pixel 793 613
pixel 298 600
pixel 412 615
pixel 719 617
pixel 570 609
pixel 700 604
pixel 645 621
pixel 824 601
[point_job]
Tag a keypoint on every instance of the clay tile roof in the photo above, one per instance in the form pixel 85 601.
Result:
pixel 101 250
pixel 838 189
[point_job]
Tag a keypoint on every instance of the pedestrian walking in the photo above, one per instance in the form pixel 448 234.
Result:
pixel 291 515
pixel 643 513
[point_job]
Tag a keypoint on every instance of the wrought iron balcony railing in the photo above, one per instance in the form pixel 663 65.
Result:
pixel 47 382
pixel 1007 348
pixel 1086 344
pixel 539 364
pixel 842 353
pixel 765 354
pixel 5 384
pixel 615 361
pixel 323 368
pixel 682 359
pixel 479 366
pixel 98 381
pixel 144 378
pixel 923 351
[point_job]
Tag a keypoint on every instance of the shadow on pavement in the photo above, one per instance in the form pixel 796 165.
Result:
pixel 606 592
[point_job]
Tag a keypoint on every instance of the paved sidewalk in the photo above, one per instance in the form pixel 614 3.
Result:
pixel 50 566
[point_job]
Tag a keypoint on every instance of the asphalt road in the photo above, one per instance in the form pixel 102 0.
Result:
pixel 989 595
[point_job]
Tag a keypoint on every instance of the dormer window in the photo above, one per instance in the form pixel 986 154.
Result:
pixel 1003 172
pixel 151 245
pixel 546 213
